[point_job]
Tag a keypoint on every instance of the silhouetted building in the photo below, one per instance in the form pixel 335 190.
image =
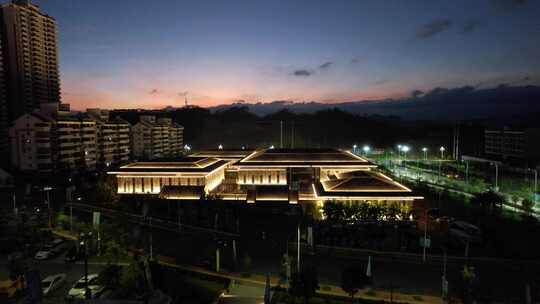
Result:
pixel 513 144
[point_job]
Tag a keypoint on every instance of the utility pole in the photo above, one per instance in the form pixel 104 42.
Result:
pixel 70 218
pixel 425 234
pixel 281 134
pixel 14 203
pixel 298 251
pixel 496 177
pixel 292 135
pixel 151 240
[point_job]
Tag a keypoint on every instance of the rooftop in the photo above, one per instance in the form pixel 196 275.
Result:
pixel 304 157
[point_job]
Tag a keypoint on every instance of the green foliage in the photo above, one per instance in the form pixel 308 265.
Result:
pixel 131 278
pixel 350 212
pixel 113 252
pixel 304 284
pixel 528 205
pixel 353 279
pixel 103 192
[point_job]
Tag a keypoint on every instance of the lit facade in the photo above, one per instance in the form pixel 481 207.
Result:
pixel 264 176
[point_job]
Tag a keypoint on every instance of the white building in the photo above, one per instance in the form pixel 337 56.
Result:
pixel 152 139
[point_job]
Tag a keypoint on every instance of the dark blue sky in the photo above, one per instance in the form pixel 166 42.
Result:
pixel 153 53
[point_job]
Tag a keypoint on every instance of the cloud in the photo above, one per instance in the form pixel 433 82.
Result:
pixel 470 27
pixel 303 73
pixel 433 28
pixel 326 65
pixel 355 60
pixel 417 93
pixel 153 92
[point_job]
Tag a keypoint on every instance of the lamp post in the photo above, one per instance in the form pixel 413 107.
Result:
pixel 366 150
pixel 442 149
pixel 48 199
pixel 424 149
pixel 220 147
pixel 496 176
pixel 354 148
pixel 84 243
pixel 405 149
pixel 425 232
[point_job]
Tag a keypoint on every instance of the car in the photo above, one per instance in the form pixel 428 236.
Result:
pixel 44 253
pixel 52 282
pixel 78 289
pixel 72 254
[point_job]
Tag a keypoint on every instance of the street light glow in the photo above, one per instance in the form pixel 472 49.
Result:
pixel 424 149
pixel 442 149
pixel 405 149
pixel 220 147
pixel 366 149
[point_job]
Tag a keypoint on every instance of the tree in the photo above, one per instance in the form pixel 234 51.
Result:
pixel 305 283
pixel 353 278
pixel 488 200
pixel 528 206
pixel 469 282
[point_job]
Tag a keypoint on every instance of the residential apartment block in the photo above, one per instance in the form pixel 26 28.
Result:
pixel 113 138
pixel 50 140
pixel 156 138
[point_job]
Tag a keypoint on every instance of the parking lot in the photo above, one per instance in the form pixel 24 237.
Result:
pixel 56 265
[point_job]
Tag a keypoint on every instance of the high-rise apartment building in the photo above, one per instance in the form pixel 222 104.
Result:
pixel 30 60
pixel 152 139
pixel 4 121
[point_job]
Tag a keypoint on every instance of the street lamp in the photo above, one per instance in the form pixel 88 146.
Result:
pixel 354 148
pixel 187 148
pixel 405 149
pixel 47 189
pixel 425 231
pixel 442 151
pixel 366 149
pixel 424 149
pixel 84 243
pixel 220 147
pixel 272 147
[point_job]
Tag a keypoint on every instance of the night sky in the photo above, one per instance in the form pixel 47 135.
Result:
pixel 119 54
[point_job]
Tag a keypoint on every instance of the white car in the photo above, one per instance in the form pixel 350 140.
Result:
pixel 44 253
pixel 78 289
pixel 52 282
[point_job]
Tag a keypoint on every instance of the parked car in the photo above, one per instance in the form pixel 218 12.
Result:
pixel 52 282
pixel 45 252
pixel 78 289
pixel 72 254
pixel 50 250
